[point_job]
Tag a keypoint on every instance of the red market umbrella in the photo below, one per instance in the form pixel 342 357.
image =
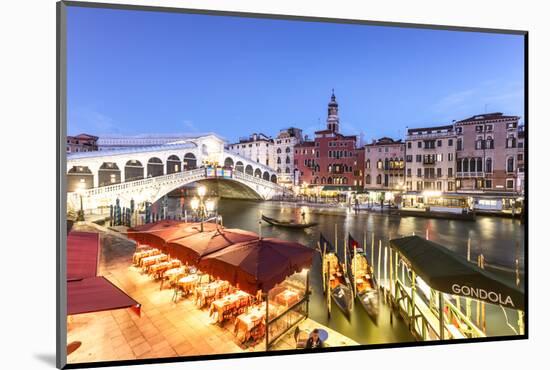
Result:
pixel 158 234
pixel 193 247
pixel 258 265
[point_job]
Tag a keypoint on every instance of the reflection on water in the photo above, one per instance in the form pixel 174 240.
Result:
pixel 496 238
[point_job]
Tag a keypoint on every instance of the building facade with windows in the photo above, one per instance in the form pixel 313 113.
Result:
pixel 82 143
pixel 520 183
pixel 256 147
pixel 487 153
pixel 283 157
pixel 332 160
pixel 385 165
pixel 430 159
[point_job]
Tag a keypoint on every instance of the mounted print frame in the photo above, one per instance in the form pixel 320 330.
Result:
pixel 208 208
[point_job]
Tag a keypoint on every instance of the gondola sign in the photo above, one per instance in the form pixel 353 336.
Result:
pixel 483 295
pixel 448 272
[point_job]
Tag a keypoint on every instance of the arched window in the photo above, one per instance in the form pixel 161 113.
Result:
pixel 368 164
pixel 459 165
pixel 278 160
pixel 287 170
pixel 239 166
pixel 287 149
pixel 329 180
pixel 228 162
pixel 287 159
pixel 379 164
pixel 379 179
pixel 488 165
pixel 386 164
pixel 323 180
pixel 472 165
pixel 479 165
pixel 345 180
pixel 189 161
pixel 278 150
pixel 368 179
pixel 465 166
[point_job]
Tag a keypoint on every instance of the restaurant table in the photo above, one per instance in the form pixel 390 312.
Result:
pixel 246 322
pixel 159 268
pixel 148 261
pixel 138 256
pixel 228 303
pixel 173 273
pixel 187 283
pixel 210 290
pixel 287 298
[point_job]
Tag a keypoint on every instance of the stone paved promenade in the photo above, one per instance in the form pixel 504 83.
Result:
pixel 165 328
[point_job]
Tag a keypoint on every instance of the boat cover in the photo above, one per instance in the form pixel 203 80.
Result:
pixel 448 272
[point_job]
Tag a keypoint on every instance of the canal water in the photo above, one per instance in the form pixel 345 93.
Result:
pixel 499 239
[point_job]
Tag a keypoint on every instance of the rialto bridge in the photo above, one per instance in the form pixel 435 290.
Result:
pixel 145 174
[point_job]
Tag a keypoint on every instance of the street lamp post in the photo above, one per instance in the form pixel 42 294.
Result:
pixel 80 191
pixel 202 206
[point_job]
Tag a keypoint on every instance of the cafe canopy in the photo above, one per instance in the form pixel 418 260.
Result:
pixel 87 292
pixel 259 264
pixel 159 233
pixel 191 248
pixel 82 255
pixel 450 273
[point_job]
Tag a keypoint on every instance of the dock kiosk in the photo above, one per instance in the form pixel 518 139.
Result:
pixel 433 289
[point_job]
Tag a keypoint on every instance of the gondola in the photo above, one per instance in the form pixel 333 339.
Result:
pixel 364 282
pixel 289 224
pixel 338 283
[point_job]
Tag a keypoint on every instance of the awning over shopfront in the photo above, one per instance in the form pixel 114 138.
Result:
pixel 191 248
pixel 82 255
pixel 337 188
pixel 450 273
pixel 96 294
pixel 258 265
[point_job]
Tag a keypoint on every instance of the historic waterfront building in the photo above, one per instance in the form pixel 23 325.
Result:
pixel 257 147
pixel 331 161
pixel 520 187
pixel 385 165
pixel 81 143
pixel 487 153
pixel 430 159
pixel 283 149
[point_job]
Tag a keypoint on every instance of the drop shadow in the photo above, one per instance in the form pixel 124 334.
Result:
pixel 46 358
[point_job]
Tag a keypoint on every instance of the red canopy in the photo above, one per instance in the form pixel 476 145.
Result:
pixel 96 294
pixel 87 292
pixel 158 233
pixel 82 254
pixel 259 264
pixel 191 248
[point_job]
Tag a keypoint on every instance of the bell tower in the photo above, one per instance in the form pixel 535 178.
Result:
pixel 333 121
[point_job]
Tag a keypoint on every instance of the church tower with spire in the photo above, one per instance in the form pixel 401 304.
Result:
pixel 333 121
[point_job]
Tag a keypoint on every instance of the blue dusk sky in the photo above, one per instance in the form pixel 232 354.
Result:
pixel 141 72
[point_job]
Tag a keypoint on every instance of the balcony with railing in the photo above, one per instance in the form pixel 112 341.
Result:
pixel 470 174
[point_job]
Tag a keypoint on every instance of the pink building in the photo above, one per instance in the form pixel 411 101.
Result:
pixel 487 153
pixel 81 143
pixel 385 165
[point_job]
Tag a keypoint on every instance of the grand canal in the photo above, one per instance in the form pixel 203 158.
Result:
pixel 498 239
